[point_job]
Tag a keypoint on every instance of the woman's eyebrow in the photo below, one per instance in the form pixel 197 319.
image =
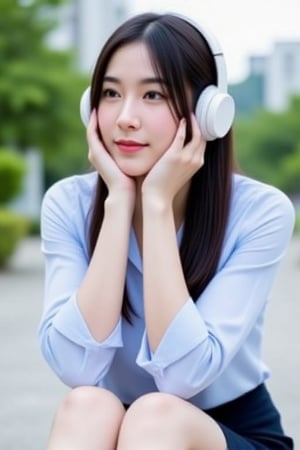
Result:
pixel 111 79
pixel 148 80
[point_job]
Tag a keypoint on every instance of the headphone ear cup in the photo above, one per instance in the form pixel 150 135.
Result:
pixel 85 106
pixel 214 112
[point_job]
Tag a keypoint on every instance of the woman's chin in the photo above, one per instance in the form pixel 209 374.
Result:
pixel 133 172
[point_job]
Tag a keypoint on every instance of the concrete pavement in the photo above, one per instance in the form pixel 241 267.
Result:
pixel 30 392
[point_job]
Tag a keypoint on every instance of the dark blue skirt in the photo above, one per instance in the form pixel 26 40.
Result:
pixel 252 422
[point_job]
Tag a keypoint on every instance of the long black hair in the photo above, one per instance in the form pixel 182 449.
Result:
pixel 180 56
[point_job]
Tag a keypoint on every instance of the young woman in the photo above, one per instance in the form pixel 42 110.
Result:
pixel 160 262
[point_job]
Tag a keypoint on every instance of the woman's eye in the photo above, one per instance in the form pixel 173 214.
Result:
pixel 154 95
pixel 110 93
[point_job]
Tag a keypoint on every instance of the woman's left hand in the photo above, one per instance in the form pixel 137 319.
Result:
pixel 177 165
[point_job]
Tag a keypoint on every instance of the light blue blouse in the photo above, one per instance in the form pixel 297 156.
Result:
pixel 212 351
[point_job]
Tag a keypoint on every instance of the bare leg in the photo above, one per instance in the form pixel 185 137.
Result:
pixel 160 421
pixel 89 418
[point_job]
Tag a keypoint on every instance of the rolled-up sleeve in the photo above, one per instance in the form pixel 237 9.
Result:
pixel 207 334
pixel 65 340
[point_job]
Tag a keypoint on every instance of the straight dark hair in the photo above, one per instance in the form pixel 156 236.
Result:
pixel 181 57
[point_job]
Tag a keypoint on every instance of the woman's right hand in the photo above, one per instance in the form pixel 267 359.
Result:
pixel 115 180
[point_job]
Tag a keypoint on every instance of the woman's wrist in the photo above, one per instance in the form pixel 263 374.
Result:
pixel 156 204
pixel 120 201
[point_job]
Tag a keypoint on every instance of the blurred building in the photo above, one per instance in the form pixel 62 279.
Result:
pixel 272 80
pixel 84 25
pixel 282 75
pixel 94 21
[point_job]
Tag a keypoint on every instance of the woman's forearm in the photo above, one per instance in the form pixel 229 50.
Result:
pixel 165 290
pixel 100 295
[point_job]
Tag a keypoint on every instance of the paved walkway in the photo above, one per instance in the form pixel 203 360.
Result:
pixel 30 392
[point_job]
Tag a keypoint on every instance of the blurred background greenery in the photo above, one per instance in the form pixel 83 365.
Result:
pixel 268 146
pixel 39 96
pixel 40 89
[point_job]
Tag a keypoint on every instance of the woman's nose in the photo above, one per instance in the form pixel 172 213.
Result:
pixel 128 117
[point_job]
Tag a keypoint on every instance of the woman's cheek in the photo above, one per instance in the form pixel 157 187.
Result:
pixel 166 128
pixel 105 129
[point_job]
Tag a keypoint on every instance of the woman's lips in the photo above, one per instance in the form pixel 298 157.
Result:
pixel 130 146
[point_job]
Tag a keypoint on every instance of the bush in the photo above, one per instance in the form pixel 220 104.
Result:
pixel 12 169
pixel 34 227
pixel 12 228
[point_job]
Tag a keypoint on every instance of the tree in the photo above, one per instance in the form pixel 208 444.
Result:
pixel 268 147
pixel 39 88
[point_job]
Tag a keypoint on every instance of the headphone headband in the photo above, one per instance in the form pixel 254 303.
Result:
pixel 216 50
pixel 214 108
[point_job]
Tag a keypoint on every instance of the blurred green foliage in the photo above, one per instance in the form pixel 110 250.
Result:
pixel 12 170
pixel 268 147
pixel 297 224
pixel 40 88
pixel 12 228
pixel 39 106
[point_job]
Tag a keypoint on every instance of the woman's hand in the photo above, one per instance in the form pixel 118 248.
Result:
pixel 114 178
pixel 177 166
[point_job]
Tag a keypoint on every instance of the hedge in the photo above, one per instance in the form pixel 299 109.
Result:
pixel 12 228
pixel 12 169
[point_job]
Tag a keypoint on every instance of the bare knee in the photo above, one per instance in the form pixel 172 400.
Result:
pixel 166 421
pixel 152 410
pixel 90 402
pixel 154 404
pixel 88 417
pixel 152 419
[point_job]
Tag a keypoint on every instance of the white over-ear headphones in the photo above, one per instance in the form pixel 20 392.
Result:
pixel 214 108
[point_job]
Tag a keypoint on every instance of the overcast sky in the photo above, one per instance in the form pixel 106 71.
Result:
pixel 243 27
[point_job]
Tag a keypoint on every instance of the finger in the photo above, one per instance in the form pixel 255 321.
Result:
pixel 195 128
pixel 96 148
pixel 93 139
pixel 92 125
pixel 91 122
pixel 180 135
pixel 197 142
